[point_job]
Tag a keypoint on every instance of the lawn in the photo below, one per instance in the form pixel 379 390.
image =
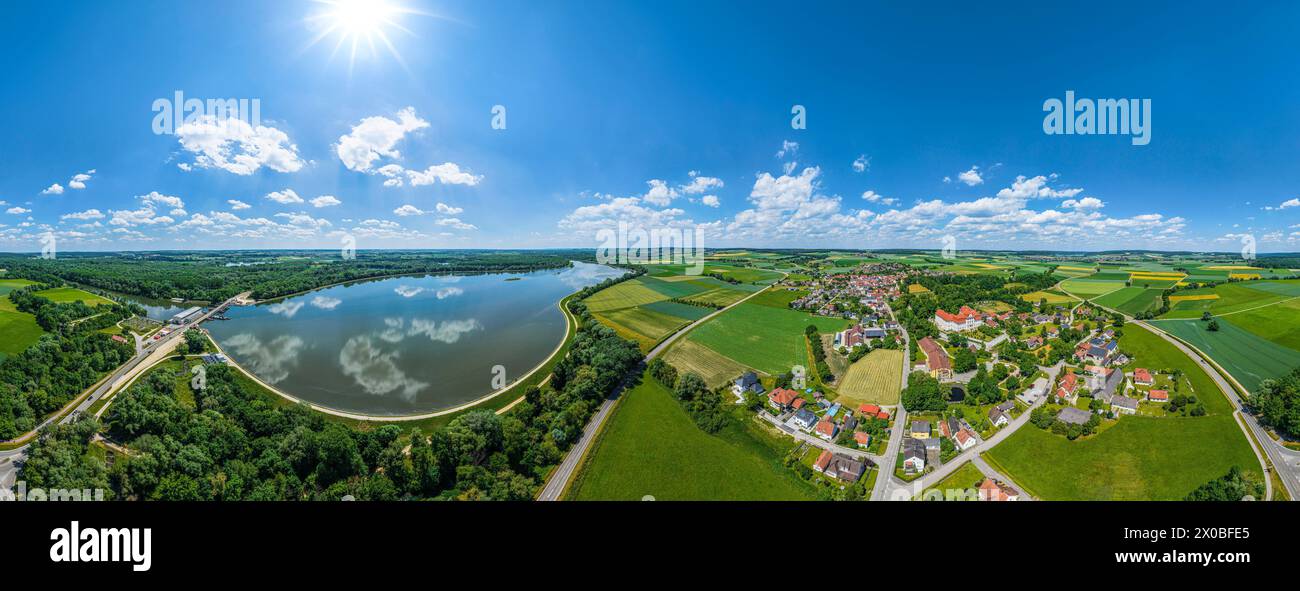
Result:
pixel 1139 458
pixel 652 447
pixel 18 330
pixel 1249 357
pixel 765 338
pixel 967 478
pixel 1131 300
pixel 72 294
pixel 877 378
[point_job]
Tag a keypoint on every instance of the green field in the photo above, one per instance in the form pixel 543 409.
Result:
pixel 18 330
pixel 966 478
pixel 624 295
pixel 877 378
pixel 1249 357
pixel 1131 300
pixel 1139 458
pixel 1090 288
pixel 765 338
pixel 642 324
pixel 1052 296
pixel 8 285
pixel 715 368
pixel 652 447
pixel 1233 297
pixel 72 294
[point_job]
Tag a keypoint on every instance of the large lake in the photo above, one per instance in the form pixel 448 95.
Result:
pixel 408 344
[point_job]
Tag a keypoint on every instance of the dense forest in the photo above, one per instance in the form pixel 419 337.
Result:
pixel 63 363
pixel 1277 404
pixel 216 276
pixel 233 444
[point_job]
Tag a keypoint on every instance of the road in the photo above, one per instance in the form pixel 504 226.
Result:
pixel 952 465
pixel 1286 462
pixel 883 480
pixel 143 359
pixel 560 477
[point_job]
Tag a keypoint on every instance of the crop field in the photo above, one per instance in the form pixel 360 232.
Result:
pixel 877 378
pixel 624 295
pixel 719 297
pixel 1131 300
pixel 765 338
pixel 1090 288
pixel 715 368
pixel 778 298
pixel 1110 276
pixel 917 288
pixel 1249 357
pixel 686 311
pixel 1279 323
pixel 72 294
pixel 1052 296
pixel 652 447
pixel 641 324
pixel 1156 282
pixel 1233 297
pixel 1140 458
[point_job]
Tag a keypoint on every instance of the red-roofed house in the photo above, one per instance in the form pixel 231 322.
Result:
pixel 868 409
pixel 1142 377
pixel 863 438
pixel 797 404
pixel 782 399
pixel 119 338
pixel 883 415
pixel 823 461
pixel 826 429
pixel 1158 396
pixel 965 319
pixel 1069 387
pixel 936 359
pixel 996 491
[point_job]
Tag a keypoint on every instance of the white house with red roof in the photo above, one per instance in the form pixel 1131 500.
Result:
pixel 1142 377
pixel 965 319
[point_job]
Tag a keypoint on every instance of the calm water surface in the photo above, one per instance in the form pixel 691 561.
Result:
pixel 407 344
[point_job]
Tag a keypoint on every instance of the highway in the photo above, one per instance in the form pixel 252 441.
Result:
pixel 9 459
pixel 560 477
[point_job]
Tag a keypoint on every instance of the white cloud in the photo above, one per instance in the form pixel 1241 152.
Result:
pixel 17 210
pixel 409 210
pixel 1290 203
pixel 447 173
pixel 155 198
pixel 660 193
pixel 89 214
pixel 787 147
pixel 1036 188
pixel 325 302
pixel 236 147
pixel 710 200
pixel 700 184
pixel 144 216
pixel 445 209
pixel 971 177
pixel 79 180
pixel 1087 203
pixel 325 201
pixel 456 223
pixel 874 197
pixel 861 163
pixel 376 137
pixel 285 197
pixel 55 189
pixel 237 205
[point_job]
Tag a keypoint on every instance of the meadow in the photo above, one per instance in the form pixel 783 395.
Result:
pixel 1130 300
pixel 765 338
pixel 1090 288
pixel 1139 459
pixel 652 447
pixel 18 330
pixel 72 294
pixel 876 378
pixel 1232 297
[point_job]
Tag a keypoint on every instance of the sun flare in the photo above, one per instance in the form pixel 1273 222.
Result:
pixel 359 25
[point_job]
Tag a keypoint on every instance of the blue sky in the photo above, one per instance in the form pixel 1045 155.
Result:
pixel 663 114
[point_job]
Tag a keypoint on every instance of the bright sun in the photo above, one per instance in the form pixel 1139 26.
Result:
pixel 359 24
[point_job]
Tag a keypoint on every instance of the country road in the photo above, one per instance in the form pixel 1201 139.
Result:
pixel 880 491
pixel 560 477
pixel 123 374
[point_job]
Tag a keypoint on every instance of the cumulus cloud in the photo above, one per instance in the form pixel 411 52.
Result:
pixel 237 205
pixel 861 163
pixel 79 180
pixel 15 210
pixel 1036 188
pixel 660 193
pixel 325 201
pixel 89 214
pixel 710 200
pixel 445 209
pixel 1087 203
pixel 447 173
pixel 376 137
pixel 874 197
pixel 409 210
pixel 456 223
pixel 236 147
pixel 971 177
pixel 55 189
pixel 285 197
pixel 787 147
pixel 700 184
